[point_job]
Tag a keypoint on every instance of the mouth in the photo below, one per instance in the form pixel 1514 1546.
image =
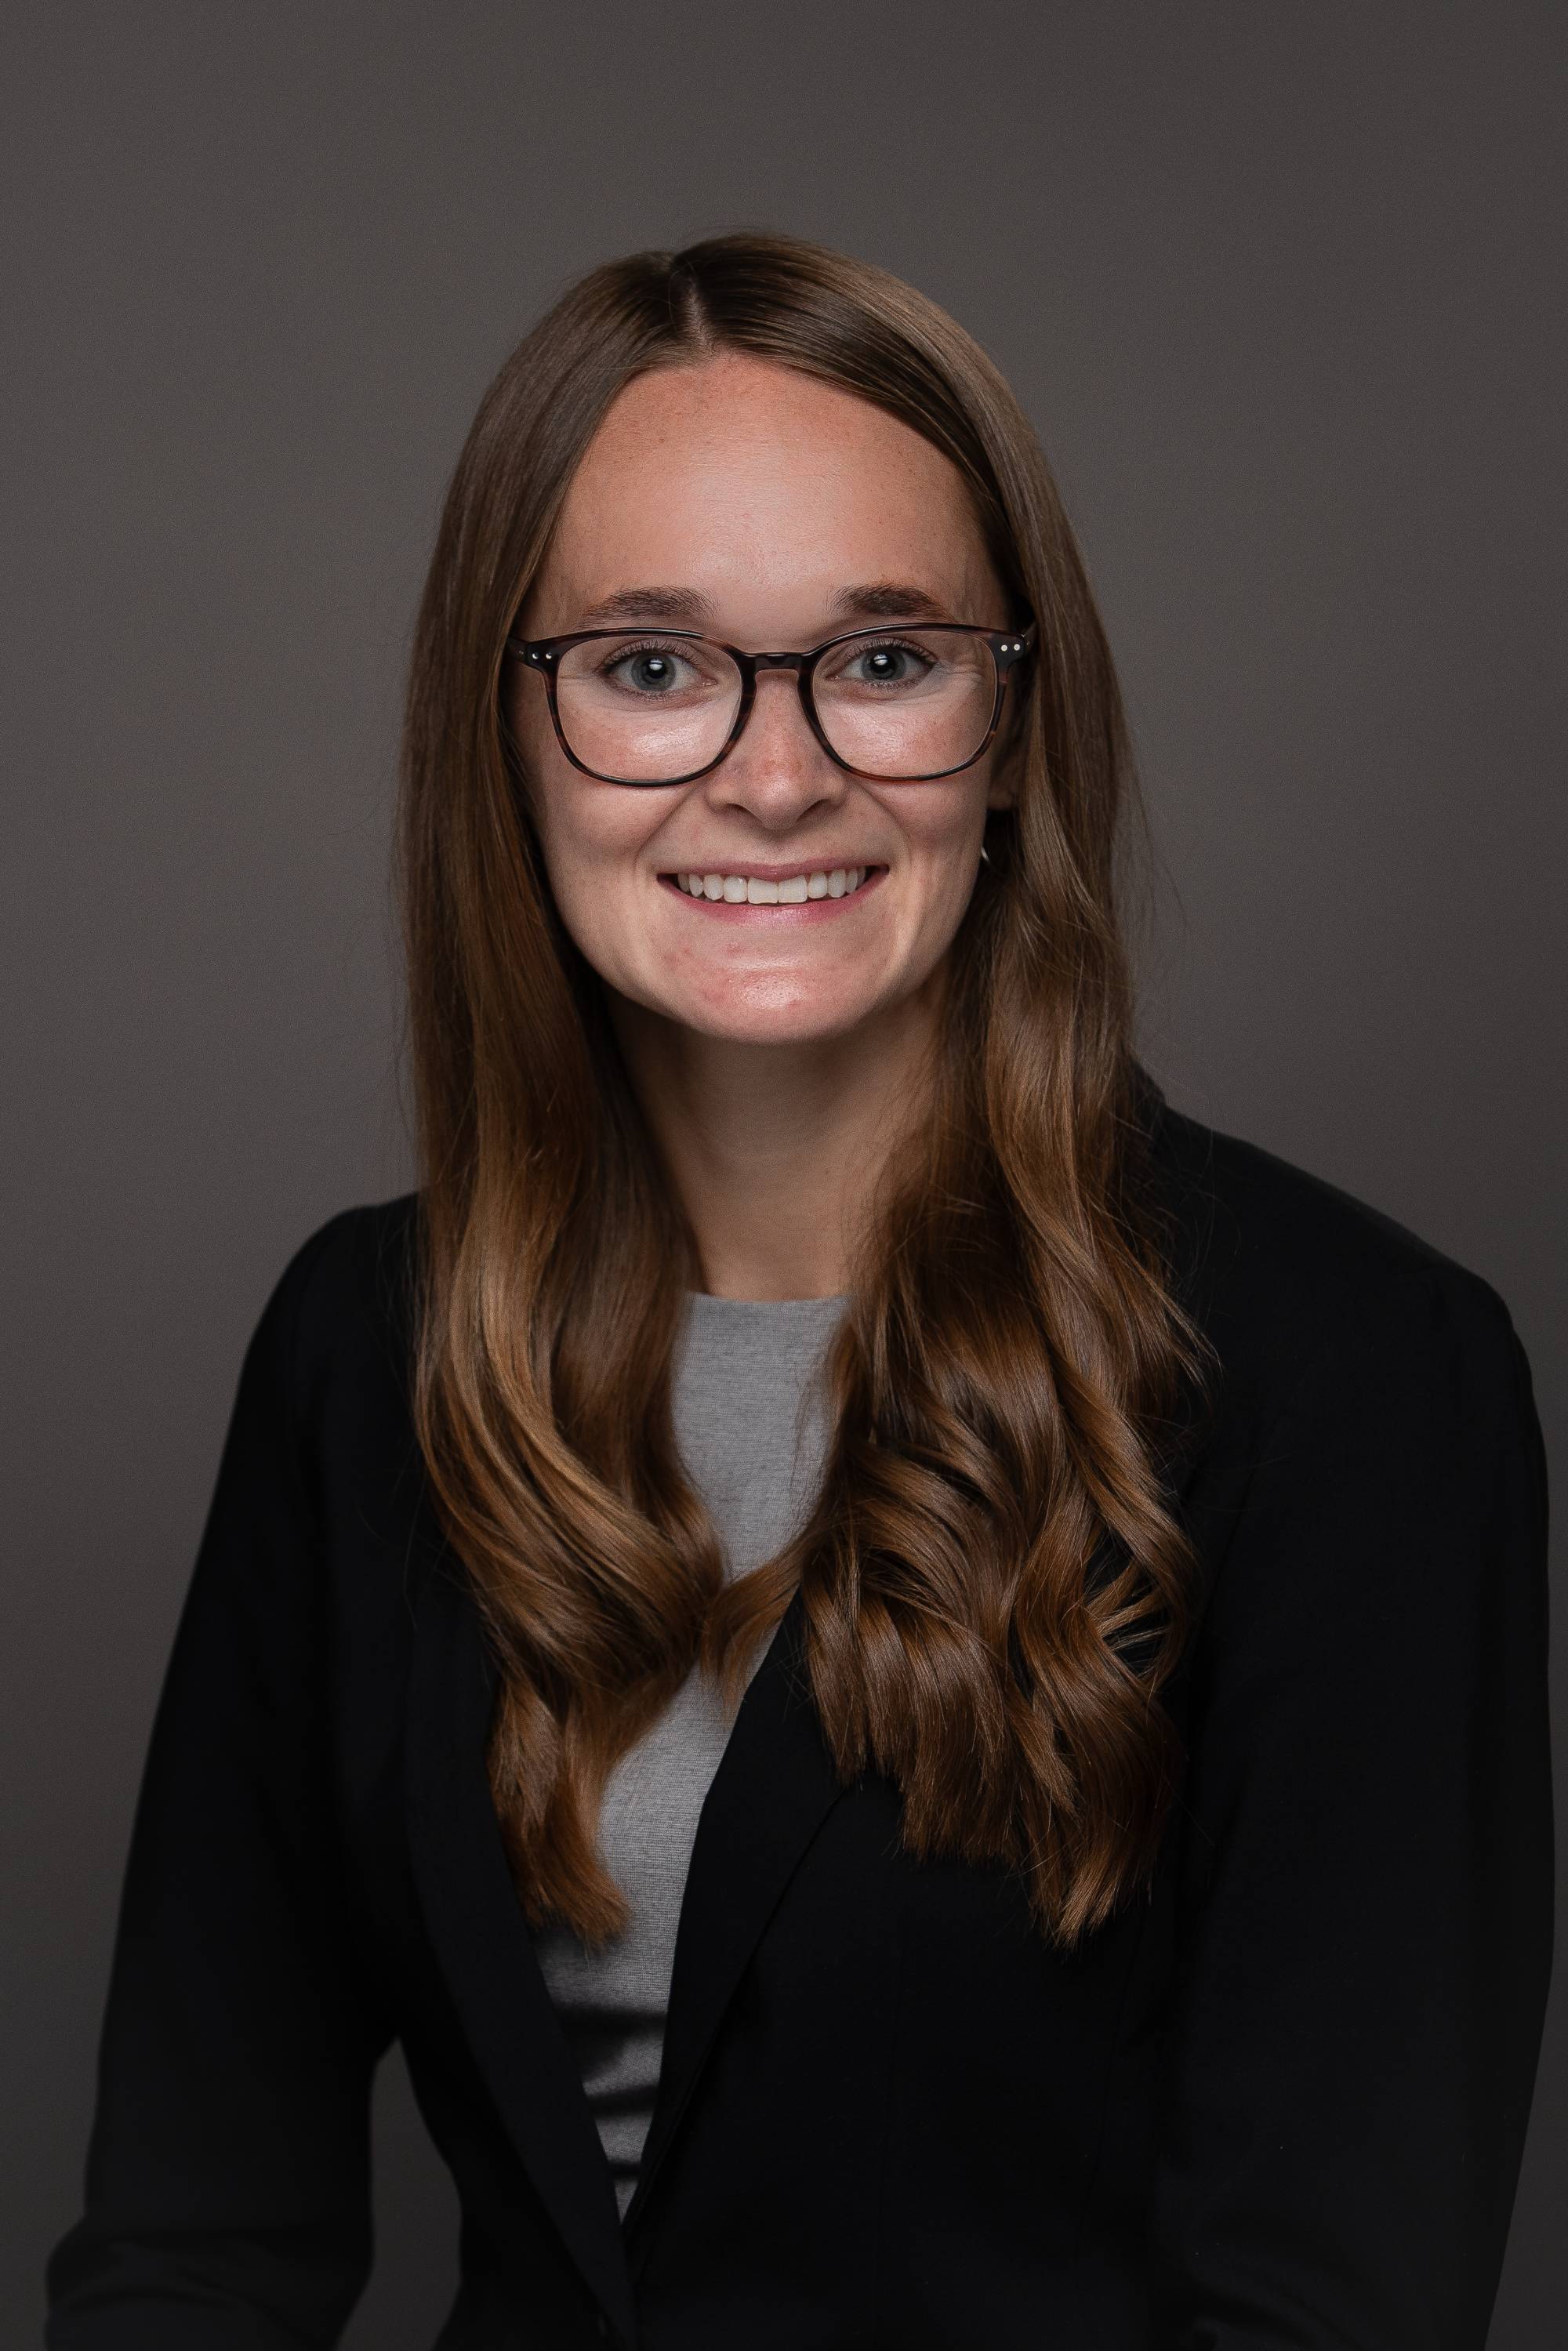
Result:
pixel 814 894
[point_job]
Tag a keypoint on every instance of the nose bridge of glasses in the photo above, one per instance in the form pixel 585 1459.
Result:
pixel 796 666
pixel 789 731
pixel 796 662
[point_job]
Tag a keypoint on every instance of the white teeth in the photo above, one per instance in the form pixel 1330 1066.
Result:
pixel 745 889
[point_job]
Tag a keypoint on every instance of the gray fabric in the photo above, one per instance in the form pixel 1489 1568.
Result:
pixel 752 1431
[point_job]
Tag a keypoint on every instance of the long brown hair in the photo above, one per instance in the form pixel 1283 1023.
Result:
pixel 994 1586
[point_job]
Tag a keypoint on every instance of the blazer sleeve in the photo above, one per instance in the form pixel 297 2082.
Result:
pixel 1366 1935
pixel 227 2188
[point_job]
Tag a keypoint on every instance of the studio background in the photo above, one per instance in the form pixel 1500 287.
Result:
pixel 1281 287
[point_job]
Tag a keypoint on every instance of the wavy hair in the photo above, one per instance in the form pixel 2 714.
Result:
pixel 994 1584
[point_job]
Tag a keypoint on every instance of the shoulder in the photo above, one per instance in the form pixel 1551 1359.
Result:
pixel 1285 1271
pixel 334 1342
pixel 1376 1454
pixel 357 1265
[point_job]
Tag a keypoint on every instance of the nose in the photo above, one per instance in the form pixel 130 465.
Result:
pixel 777 772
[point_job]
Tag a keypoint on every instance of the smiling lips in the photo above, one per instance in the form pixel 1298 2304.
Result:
pixel 813 891
pixel 774 889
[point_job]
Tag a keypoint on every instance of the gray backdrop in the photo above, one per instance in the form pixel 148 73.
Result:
pixel 1281 285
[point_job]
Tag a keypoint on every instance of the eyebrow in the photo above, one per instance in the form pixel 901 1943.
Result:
pixel 890 599
pixel 676 605
pixel 879 599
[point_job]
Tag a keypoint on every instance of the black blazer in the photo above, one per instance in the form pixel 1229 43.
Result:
pixel 1279 2102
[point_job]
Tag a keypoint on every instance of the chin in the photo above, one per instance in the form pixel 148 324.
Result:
pixel 784 1024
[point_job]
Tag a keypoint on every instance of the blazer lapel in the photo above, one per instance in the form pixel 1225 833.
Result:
pixel 774 1787
pixel 481 1938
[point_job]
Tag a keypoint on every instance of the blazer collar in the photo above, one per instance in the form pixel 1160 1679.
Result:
pixel 481 1940
pixel 774 1786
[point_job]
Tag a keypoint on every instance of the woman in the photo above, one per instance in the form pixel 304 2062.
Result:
pixel 1047 1598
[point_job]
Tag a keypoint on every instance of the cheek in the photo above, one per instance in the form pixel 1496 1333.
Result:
pixel 943 836
pixel 591 848
pixel 591 840
pixel 941 822
pixel 576 826
pixel 581 876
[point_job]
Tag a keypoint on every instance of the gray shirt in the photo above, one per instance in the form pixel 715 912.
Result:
pixel 752 1431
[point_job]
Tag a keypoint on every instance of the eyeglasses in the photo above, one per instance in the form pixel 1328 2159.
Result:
pixel 664 706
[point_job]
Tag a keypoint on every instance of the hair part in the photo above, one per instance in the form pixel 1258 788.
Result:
pixel 995 1586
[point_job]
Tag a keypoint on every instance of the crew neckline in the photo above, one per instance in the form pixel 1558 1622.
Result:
pixel 706 1302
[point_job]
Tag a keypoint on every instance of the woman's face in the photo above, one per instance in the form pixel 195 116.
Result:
pixel 749 503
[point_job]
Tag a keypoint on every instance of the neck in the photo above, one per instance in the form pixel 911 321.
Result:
pixel 776 1148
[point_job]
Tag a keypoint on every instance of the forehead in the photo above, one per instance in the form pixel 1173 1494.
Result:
pixel 739 473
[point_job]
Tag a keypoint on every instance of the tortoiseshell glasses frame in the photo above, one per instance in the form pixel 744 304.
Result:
pixel 1009 649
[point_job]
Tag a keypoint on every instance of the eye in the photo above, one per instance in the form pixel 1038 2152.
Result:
pixel 891 663
pixel 646 672
pixel 655 669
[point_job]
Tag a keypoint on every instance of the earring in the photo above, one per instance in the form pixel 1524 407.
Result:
pixel 985 854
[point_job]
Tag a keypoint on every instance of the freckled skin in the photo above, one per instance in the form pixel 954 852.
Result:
pixel 775 1061
pixel 768 493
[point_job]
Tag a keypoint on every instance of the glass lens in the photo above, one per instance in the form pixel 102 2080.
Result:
pixel 641 709
pixel 907 702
